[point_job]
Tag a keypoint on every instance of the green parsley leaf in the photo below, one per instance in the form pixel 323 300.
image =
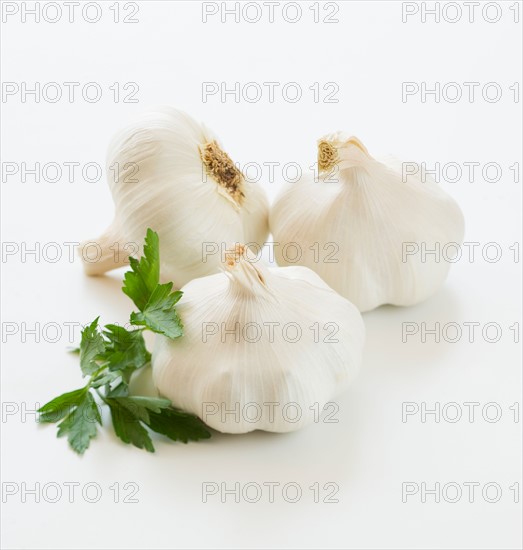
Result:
pixel 80 424
pixel 111 354
pixel 119 390
pixel 105 377
pixel 155 301
pixel 128 427
pixel 140 406
pixel 178 425
pixel 159 314
pixel 91 346
pixel 140 283
pixel 124 349
pixel 61 406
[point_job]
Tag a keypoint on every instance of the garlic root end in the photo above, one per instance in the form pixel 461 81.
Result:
pixel 104 254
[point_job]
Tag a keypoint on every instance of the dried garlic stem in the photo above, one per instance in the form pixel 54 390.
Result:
pixel 327 155
pixel 240 257
pixel 221 168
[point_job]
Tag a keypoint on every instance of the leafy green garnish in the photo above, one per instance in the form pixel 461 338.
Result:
pixel 125 350
pixel 178 425
pixel 80 424
pixel 154 300
pixel 140 283
pixel 111 354
pixel 128 427
pixel 91 346
pixel 61 406
pixel 159 314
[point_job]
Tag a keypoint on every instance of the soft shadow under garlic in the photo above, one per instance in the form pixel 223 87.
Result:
pixel 393 346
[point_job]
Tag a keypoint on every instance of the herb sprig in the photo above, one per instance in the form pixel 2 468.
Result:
pixel 109 356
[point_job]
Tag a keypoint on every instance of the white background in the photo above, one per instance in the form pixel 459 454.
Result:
pixel 370 452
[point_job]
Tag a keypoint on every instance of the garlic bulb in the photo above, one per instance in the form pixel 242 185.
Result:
pixel 263 348
pixel 365 228
pixel 169 173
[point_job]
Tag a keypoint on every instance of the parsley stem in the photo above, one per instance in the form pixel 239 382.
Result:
pixel 100 395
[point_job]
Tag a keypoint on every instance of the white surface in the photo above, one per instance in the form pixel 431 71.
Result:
pixel 370 452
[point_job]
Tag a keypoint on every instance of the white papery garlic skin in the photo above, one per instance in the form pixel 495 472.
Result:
pixel 250 379
pixel 169 173
pixel 359 224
